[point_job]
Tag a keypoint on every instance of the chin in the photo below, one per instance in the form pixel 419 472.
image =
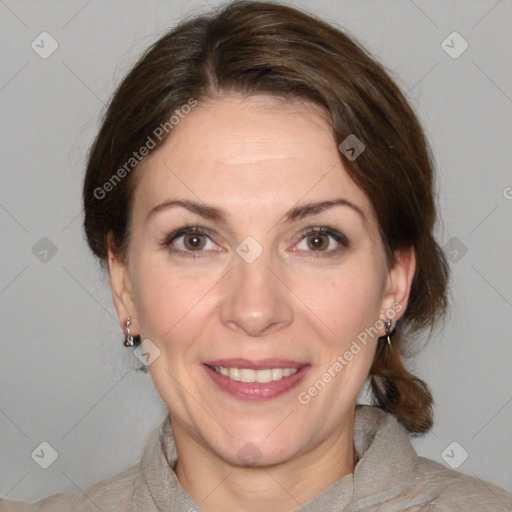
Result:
pixel 257 454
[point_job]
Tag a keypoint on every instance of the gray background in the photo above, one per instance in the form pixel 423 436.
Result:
pixel 65 377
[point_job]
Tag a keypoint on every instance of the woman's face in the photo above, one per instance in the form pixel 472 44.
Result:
pixel 281 271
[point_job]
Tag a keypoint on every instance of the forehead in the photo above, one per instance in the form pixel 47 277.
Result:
pixel 256 152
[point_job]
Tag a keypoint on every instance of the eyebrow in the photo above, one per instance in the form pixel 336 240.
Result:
pixel 216 214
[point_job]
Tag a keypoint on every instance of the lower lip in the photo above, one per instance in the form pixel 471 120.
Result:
pixel 255 391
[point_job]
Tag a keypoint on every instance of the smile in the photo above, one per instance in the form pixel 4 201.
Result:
pixel 264 380
pixel 250 375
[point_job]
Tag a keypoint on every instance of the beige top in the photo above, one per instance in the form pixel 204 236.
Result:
pixel 388 477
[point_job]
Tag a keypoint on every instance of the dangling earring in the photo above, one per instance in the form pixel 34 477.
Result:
pixel 388 324
pixel 128 342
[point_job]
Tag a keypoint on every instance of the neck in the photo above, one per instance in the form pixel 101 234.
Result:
pixel 218 486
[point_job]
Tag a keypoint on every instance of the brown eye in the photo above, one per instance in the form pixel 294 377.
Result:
pixel 194 241
pixel 323 241
pixel 318 241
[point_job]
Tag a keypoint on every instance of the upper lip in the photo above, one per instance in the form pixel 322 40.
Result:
pixel 260 364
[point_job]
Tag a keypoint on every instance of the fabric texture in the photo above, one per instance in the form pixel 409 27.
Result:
pixel 388 477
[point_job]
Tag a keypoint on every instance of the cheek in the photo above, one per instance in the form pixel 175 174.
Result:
pixel 172 308
pixel 159 296
pixel 344 301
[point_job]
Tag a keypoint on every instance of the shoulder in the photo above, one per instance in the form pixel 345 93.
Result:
pixel 108 495
pixel 452 490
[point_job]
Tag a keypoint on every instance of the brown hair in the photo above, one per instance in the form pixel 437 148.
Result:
pixel 257 47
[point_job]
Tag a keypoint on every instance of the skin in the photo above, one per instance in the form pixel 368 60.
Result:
pixel 256 158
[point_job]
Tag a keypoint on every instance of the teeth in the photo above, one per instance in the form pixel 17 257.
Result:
pixel 250 375
pixel 247 375
pixel 277 373
pixel 263 376
pixel 233 373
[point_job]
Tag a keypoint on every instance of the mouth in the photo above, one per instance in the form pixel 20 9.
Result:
pixel 256 380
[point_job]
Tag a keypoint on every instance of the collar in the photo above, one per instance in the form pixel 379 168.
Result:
pixel 387 466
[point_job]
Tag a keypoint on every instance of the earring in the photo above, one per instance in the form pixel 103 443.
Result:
pixel 388 324
pixel 128 342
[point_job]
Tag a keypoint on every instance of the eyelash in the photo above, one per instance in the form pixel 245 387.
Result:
pixel 311 231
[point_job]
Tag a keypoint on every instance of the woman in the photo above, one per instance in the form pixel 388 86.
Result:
pixel 262 196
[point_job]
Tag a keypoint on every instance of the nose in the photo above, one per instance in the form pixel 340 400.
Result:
pixel 256 300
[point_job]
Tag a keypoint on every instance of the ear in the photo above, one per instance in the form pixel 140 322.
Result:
pixel 121 286
pixel 398 285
